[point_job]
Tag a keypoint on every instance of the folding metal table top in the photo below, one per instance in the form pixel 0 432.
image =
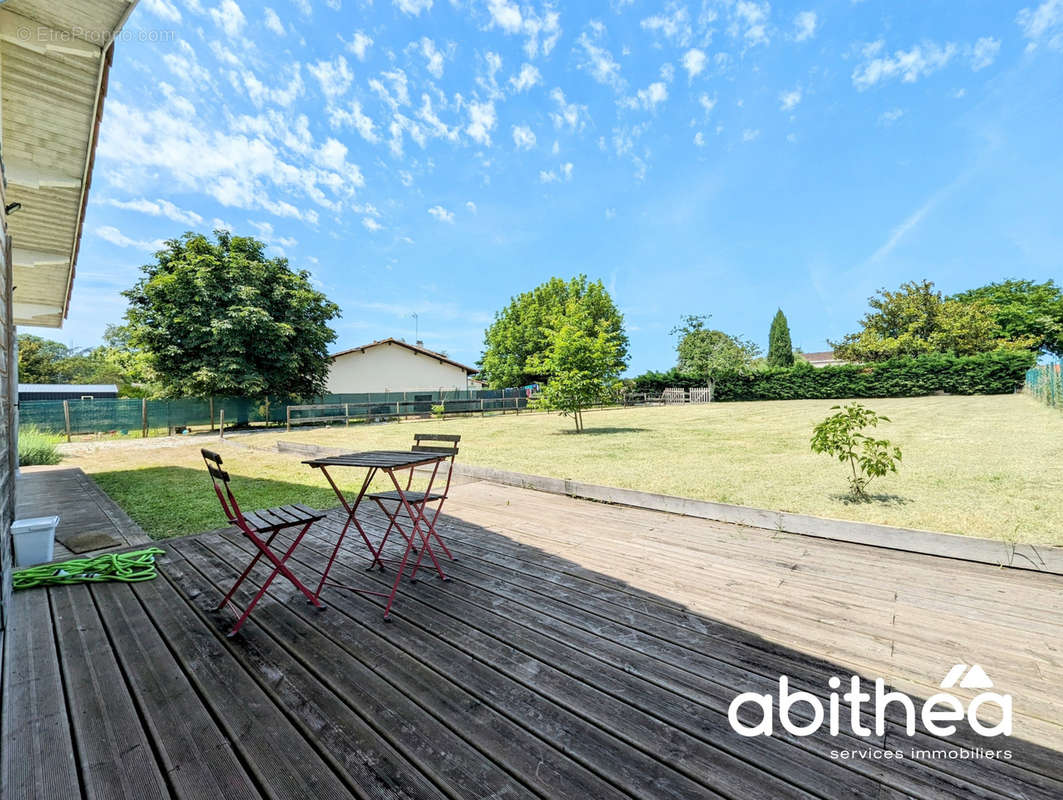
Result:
pixel 381 459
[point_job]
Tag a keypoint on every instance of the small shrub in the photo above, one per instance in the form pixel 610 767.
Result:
pixel 36 448
pixel 438 411
pixel 841 435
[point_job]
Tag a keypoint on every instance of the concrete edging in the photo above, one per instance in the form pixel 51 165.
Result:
pixel 1038 558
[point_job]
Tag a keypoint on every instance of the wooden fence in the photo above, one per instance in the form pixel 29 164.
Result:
pixel 701 394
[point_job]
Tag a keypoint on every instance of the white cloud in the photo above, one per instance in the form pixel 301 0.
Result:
pixel 262 162
pixel 891 116
pixel 1043 24
pixel 332 154
pixel 751 21
pixel 284 95
pixel 568 115
pixel 789 100
pixel 694 62
pixel 523 137
pixel 164 9
pixel 563 173
pixel 505 15
pixel 442 214
pixel 804 26
pixel 911 65
pixel 354 117
pixel 158 208
pixel 116 237
pixel 304 7
pixel 699 139
pixel 599 61
pixel 541 29
pixel 371 225
pixel 984 52
pixel 707 103
pixel 273 22
pixel 749 134
pixel 674 25
pixel 528 77
pixel 414 7
pixel 648 98
pixel 229 18
pixel 433 57
pixel 359 45
pixel 471 206
pixel 610 213
pixel 334 76
pixel 481 122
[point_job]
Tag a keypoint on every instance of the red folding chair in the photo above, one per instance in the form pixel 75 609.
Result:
pixel 418 500
pixel 261 527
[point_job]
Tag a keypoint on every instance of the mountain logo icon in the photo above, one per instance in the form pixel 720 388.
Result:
pixel 975 678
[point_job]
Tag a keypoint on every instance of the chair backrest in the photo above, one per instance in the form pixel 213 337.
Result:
pixel 444 443
pixel 220 479
pixel 451 448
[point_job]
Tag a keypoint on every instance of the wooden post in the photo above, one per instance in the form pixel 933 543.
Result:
pixel 267 412
pixel 221 425
pixel 481 406
pixel 398 411
pixel 66 416
pixel 212 413
pixel 144 417
pixel 288 419
pixel 347 414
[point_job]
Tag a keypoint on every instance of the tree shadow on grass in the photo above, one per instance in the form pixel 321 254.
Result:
pixel 598 431
pixel 893 500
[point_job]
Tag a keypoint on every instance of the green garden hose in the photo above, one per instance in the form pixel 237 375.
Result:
pixel 126 567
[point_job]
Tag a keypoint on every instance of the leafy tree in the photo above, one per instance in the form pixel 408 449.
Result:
pixel 1024 311
pixel 780 348
pixel 582 361
pixel 916 319
pixel 42 360
pixel 841 435
pixel 219 318
pixel 516 342
pixel 708 353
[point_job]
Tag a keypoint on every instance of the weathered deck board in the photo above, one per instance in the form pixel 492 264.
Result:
pixel 580 651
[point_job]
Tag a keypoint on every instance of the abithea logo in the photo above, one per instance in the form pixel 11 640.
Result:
pixel 937 714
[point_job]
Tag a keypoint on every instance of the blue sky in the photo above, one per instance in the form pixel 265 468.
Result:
pixel 722 158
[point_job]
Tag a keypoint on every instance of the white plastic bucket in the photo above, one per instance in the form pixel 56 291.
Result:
pixel 34 540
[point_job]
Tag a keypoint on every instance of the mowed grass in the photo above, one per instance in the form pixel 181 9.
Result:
pixel 980 466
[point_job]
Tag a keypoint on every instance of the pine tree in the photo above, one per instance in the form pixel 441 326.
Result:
pixel 780 348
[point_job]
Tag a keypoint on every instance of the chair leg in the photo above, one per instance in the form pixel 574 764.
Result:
pixel 279 569
pixel 244 574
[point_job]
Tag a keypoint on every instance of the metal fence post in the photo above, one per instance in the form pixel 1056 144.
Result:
pixel 66 416
pixel 221 425
pixel 347 414
pixel 212 413
pixel 288 419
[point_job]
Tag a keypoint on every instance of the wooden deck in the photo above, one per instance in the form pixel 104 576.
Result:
pixel 580 651
pixel 89 521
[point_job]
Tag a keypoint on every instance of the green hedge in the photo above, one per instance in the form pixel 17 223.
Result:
pixel 997 372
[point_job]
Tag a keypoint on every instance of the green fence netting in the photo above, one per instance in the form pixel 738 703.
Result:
pixel 132 415
pixel 1045 382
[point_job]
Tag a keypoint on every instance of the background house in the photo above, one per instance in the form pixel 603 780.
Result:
pixel 824 359
pixel 391 365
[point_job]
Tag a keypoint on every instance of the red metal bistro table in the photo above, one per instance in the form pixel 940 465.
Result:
pixel 388 462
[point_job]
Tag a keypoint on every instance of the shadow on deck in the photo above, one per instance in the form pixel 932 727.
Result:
pixel 527 675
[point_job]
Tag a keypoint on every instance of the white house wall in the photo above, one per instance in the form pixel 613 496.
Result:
pixel 392 368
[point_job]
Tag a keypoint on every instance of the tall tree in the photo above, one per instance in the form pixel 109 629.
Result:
pixel 516 343
pixel 916 319
pixel 780 348
pixel 42 360
pixel 708 353
pixel 581 360
pixel 1024 311
pixel 217 317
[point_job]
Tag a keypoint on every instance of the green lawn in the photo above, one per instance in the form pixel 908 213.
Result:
pixel 982 466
